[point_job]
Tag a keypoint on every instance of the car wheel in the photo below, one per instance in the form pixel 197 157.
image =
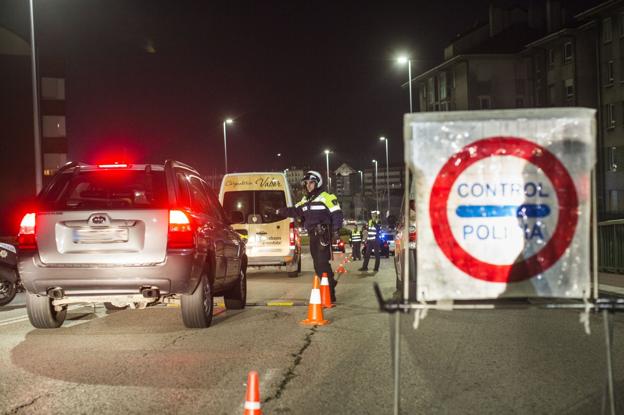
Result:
pixel 236 297
pixel 112 307
pixel 197 307
pixel 295 274
pixel 42 314
pixel 8 289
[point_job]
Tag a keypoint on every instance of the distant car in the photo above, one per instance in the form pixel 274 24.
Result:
pixel 388 243
pixel 338 245
pixel 129 235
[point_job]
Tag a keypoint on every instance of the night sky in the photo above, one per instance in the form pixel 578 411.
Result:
pixel 149 80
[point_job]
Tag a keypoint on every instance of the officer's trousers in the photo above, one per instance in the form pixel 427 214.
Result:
pixel 321 255
pixel 357 250
pixel 372 245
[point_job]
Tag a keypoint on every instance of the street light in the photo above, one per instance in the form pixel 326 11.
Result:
pixel 35 93
pixel 387 174
pixel 376 195
pixel 361 180
pixel 226 122
pixel 402 60
pixel 327 163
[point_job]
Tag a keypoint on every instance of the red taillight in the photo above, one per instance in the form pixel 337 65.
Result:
pixel 341 243
pixel 291 234
pixel 180 231
pixel 113 166
pixel 26 237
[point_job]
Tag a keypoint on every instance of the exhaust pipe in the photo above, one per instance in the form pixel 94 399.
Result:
pixel 150 292
pixel 55 293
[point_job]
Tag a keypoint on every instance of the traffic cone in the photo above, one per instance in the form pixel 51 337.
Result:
pixel 315 310
pixel 252 397
pixel 341 270
pixel 325 292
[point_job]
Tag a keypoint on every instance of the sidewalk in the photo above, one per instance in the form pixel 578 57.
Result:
pixel 611 283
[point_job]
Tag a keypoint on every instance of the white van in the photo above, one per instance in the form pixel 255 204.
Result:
pixel 271 240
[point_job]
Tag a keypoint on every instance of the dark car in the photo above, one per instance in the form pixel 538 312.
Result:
pixel 129 235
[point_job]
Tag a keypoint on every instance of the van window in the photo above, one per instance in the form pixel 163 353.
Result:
pixel 255 202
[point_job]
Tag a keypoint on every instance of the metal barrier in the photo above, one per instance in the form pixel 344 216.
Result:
pixel 611 246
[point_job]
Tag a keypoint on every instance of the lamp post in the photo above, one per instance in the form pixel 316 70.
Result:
pixel 225 123
pixel 403 60
pixel 361 180
pixel 376 195
pixel 35 94
pixel 387 174
pixel 327 165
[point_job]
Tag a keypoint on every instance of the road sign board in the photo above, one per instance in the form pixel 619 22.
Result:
pixel 502 202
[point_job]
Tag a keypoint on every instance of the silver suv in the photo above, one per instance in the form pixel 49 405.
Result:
pixel 129 235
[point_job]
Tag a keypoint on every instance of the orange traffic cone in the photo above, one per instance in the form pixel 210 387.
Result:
pixel 252 397
pixel 325 292
pixel 315 310
pixel 341 270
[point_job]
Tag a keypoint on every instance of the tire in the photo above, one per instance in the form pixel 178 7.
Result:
pixel 8 290
pixel 197 307
pixel 295 274
pixel 112 307
pixel 41 312
pixel 236 297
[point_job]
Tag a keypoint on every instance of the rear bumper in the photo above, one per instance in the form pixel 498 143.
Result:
pixel 174 276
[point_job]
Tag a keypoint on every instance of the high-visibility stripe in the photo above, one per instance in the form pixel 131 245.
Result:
pixel 252 405
pixel 304 208
pixel 335 208
pixel 315 296
pixel 318 207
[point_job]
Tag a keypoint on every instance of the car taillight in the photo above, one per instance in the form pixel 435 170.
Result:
pixel 26 239
pixel 341 243
pixel 115 165
pixel 180 231
pixel 291 234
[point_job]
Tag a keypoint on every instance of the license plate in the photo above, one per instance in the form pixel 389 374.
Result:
pixel 100 236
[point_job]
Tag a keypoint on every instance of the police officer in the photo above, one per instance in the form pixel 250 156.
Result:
pixel 373 234
pixel 356 243
pixel 322 217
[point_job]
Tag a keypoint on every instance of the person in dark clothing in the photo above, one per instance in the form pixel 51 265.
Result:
pixel 322 217
pixel 373 242
pixel 356 244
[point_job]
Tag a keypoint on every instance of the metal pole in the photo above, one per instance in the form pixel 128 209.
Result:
pixel 409 74
pixel 406 225
pixel 397 361
pixel 327 163
pixel 225 146
pixel 608 326
pixel 594 233
pixel 387 179
pixel 376 187
pixel 35 95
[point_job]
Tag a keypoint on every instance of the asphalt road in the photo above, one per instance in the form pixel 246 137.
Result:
pixel 139 361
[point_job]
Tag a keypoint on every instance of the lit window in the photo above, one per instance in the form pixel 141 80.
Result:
pixel 53 125
pixel 568 84
pixel 53 88
pixel 568 52
pixel 610 116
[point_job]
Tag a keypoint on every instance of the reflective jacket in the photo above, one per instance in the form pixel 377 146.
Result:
pixel 320 209
pixel 356 236
pixel 374 230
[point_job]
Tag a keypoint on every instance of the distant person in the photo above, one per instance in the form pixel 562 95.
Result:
pixel 373 233
pixel 322 217
pixel 356 243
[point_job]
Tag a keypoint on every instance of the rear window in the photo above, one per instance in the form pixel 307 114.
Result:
pixel 259 203
pixel 107 189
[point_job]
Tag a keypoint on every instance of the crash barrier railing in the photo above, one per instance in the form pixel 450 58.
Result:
pixel 482 244
pixel 611 246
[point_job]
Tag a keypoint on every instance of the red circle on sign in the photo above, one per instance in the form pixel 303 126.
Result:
pixel 515 147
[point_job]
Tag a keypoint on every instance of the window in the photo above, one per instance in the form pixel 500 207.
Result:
pixel 551 57
pixel 607 35
pixel 53 125
pixel 485 102
pixel 199 200
pixel 259 203
pixel 568 85
pixel 431 89
pixel 616 201
pixel 53 88
pixel 52 162
pixel 442 85
pixel 183 196
pixel 610 71
pixel 568 52
pixel 610 116
pixel 621 24
pixel 612 160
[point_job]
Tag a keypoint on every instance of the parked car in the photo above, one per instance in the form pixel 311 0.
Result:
pixel 399 257
pixel 388 242
pixel 129 234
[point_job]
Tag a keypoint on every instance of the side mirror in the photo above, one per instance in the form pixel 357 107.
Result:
pixel 236 216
